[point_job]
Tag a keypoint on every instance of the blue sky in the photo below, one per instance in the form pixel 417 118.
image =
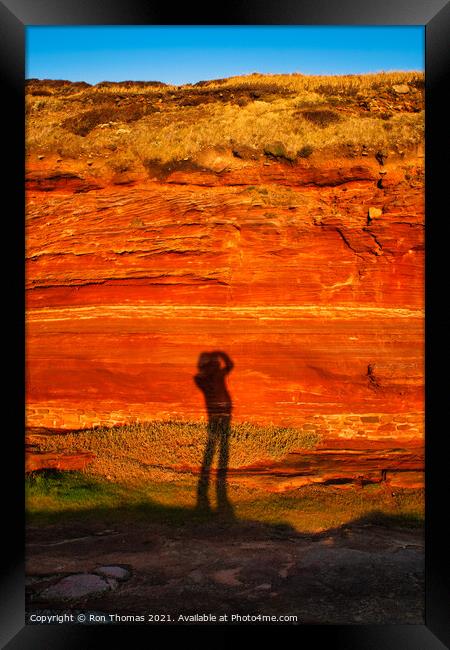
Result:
pixel 179 55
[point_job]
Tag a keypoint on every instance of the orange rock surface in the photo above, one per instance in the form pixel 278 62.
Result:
pixel 37 460
pixel 318 301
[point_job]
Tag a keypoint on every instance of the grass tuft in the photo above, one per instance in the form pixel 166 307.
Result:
pixel 321 118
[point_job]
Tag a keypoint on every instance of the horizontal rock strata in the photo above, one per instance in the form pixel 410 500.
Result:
pixel 309 276
pixel 36 460
pixel 342 467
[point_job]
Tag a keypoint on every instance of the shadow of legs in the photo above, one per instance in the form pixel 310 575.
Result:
pixel 203 481
pixel 224 506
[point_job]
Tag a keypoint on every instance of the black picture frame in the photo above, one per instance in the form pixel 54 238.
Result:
pixel 15 15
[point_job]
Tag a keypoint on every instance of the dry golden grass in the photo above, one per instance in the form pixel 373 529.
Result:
pixel 309 114
pixel 136 452
pixel 324 84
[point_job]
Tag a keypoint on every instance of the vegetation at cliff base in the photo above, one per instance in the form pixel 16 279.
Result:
pixel 139 451
pixel 66 496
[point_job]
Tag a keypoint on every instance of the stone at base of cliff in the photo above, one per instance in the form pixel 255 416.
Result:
pixel 76 586
pixel 117 572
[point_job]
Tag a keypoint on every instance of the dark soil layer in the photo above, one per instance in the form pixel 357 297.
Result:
pixel 369 571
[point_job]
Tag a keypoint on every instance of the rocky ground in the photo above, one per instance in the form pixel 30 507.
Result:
pixel 360 573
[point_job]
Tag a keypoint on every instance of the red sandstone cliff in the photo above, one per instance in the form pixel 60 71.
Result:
pixel 308 273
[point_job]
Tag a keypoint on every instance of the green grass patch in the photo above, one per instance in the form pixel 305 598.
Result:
pixel 54 496
pixel 57 497
pixel 318 508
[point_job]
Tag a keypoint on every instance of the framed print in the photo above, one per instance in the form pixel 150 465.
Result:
pixel 231 383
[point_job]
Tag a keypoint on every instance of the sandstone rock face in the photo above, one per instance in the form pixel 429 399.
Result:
pixel 279 265
pixel 36 460
pixel 339 467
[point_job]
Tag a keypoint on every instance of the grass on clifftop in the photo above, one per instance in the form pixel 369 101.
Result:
pixel 129 126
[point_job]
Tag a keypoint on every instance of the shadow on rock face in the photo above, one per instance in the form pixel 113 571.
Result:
pixel 213 367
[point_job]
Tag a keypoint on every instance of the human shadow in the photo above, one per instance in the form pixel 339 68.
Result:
pixel 213 367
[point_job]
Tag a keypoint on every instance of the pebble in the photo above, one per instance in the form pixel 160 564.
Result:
pixel 401 89
pixel 196 576
pixel 117 572
pixel 375 212
pixel 227 577
pixel 76 586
